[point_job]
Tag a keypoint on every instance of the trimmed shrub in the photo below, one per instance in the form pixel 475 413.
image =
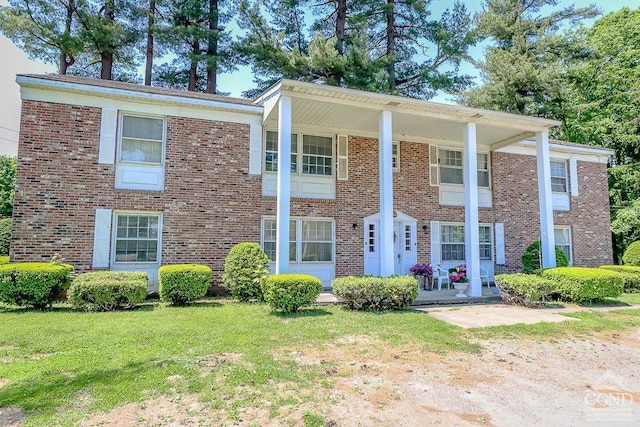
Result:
pixel 108 290
pixel 632 254
pixel 531 258
pixel 33 284
pixel 289 292
pixel 630 275
pixel 183 283
pixel 5 235
pixel 4 260
pixel 582 284
pixel 377 293
pixel 244 268
pixel 524 289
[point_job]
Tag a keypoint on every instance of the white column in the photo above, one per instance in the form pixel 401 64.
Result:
pixel 283 185
pixel 386 195
pixel 547 238
pixel 471 233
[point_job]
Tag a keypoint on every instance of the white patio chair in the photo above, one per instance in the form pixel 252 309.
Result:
pixel 441 275
pixel 484 276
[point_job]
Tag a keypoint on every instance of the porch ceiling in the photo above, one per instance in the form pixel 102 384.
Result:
pixel 345 111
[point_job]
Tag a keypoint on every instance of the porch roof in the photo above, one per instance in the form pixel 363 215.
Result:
pixel 355 112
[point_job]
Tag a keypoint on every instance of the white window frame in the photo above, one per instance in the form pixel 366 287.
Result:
pixel 299 153
pixel 491 243
pixel 565 177
pixel 461 167
pixel 120 136
pixel 114 237
pixel 569 246
pixel 395 157
pixel 298 238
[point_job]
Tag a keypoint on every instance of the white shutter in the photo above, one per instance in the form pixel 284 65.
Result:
pixel 435 242
pixel 343 157
pixel 255 149
pixel 433 165
pixel 499 229
pixel 107 150
pixel 102 238
pixel 573 176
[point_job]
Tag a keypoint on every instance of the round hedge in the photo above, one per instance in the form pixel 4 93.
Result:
pixel 244 268
pixel 531 258
pixel 632 254
pixel 289 292
pixel 182 284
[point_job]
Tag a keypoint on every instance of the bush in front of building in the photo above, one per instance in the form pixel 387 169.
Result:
pixel 4 260
pixel 532 256
pixel 524 289
pixel 632 254
pixel 290 292
pixel 33 284
pixel 108 290
pixel 245 267
pixel 182 284
pixel 583 284
pixel 376 293
pixel 630 275
pixel 5 236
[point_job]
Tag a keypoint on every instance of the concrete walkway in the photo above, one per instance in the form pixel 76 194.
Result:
pixel 480 316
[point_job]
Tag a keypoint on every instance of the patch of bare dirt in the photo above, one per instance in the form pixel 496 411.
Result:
pixel 573 381
pixel 12 417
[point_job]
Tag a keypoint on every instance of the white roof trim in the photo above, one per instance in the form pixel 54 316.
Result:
pixel 134 95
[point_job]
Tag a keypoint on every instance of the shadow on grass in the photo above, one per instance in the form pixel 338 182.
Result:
pixel 310 312
pixel 605 303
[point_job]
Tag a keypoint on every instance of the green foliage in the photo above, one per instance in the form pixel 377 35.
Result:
pixel 632 254
pixel 244 268
pixel 583 285
pixel 630 275
pixel 532 255
pixel 7 184
pixel 33 284
pixel 4 260
pixel 524 289
pixel 108 290
pixel 5 236
pixel 289 292
pixel 377 293
pixel 183 283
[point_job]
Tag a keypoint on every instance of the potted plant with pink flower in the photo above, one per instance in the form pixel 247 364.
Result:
pixel 422 272
pixel 458 276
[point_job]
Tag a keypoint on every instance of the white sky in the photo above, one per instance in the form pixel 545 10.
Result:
pixel 16 62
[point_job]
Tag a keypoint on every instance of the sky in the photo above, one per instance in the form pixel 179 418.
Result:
pixel 16 61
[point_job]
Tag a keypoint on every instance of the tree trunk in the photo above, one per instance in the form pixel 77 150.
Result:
pixel 150 31
pixel 341 20
pixel 65 58
pixel 106 56
pixel 391 45
pixel 212 47
pixel 193 69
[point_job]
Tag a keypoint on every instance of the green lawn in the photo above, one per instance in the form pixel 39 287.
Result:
pixel 60 366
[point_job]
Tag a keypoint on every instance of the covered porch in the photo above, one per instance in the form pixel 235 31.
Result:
pixel 290 105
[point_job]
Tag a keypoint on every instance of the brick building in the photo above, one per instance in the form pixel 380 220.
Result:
pixel 120 176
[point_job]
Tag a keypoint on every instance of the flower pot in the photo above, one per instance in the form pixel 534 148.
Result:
pixel 461 287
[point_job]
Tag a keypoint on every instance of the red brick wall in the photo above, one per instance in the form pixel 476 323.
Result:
pixel 211 203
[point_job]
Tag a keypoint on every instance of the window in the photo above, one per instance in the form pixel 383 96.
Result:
pixel 559 176
pixel 407 238
pixel 137 238
pixel 453 245
pixel 310 240
pixel 562 236
pixel 142 139
pixel 450 165
pixel 371 235
pixel 395 156
pixel 452 240
pixel 317 154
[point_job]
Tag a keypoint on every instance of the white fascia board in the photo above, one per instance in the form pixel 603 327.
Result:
pixel 196 111
pixel 32 82
pixel 585 154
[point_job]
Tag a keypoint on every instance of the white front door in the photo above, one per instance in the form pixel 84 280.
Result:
pixel 404 244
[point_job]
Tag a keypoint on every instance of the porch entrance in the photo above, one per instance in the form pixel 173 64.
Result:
pixel 404 244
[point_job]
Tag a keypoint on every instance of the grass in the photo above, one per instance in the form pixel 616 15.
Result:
pixel 61 366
